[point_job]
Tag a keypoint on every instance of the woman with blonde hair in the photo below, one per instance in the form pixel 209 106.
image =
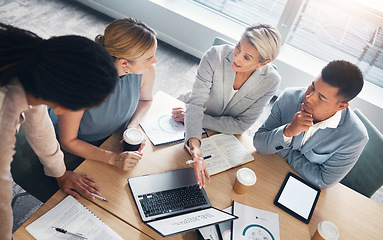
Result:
pixel 233 84
pixel 132 44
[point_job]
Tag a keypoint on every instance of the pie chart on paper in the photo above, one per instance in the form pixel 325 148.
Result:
pixel 169 125
pixel 254 232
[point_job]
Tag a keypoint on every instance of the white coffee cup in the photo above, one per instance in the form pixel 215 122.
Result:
pixel 132 139
pixel 326 230
pixel 244 180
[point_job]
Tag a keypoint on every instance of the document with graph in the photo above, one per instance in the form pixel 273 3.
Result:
pixel 159 124
pixel 254 223
pixel 161 128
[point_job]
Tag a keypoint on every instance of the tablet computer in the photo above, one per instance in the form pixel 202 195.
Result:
pixel 297 197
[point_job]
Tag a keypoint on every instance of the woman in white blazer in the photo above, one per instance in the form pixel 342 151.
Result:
pixel 233 84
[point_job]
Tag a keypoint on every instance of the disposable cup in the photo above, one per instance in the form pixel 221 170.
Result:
pixel 326 230
pixel 132 139
pixel 245 178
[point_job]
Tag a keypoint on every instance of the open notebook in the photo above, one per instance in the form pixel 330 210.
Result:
pixel 71 215
pixel 228 152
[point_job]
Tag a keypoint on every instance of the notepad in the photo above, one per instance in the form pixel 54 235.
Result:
pixel 161 128
pixel 71 215
pixel 159 124
pixel 228 152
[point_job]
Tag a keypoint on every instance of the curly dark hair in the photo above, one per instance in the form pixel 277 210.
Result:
pixel 71 71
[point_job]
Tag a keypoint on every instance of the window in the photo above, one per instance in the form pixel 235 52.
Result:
pixel 332 30
pixel 248 12
pixel 325 29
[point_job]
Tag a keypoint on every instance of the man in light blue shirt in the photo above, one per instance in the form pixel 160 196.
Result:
pixel 314 129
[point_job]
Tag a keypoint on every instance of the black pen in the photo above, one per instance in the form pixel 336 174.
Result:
pixel 70 233
pixel 202 158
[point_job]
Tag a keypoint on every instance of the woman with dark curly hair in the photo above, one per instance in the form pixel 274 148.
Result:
pixel 64 73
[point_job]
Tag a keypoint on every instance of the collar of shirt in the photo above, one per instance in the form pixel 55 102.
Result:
pixel 331 122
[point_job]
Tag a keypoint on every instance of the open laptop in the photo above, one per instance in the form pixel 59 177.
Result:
pixel 167 199
pixel 147 189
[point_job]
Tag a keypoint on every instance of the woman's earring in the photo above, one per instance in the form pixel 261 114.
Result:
pixel 126 70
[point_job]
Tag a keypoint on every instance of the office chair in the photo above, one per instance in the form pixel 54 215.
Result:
pixel 220 41
pixel 366 177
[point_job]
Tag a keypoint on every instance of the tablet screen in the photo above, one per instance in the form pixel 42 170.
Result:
pixel 297 197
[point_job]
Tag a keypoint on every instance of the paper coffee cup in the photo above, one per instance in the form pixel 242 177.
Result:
pixel 132 139
pixel 326 230
pixel 244 180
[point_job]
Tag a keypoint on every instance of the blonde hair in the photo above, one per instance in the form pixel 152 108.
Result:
pixel 127 38
pixel 266 39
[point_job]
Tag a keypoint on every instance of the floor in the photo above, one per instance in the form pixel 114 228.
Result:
pixel 175 69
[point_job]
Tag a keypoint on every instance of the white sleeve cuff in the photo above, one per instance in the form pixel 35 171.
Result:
pixel 287 140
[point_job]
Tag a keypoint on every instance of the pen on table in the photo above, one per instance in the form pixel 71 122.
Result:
pixel 99 197
pixel 202 158
pixel 70 233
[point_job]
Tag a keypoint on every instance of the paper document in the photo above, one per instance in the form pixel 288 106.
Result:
pixel 210 232
pixel 161 128
pixel 221 231
pixel 253 223
pixel 190 221
pixel 225 227
pixel 72 216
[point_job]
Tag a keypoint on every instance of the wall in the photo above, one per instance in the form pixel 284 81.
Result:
pixel 194 30
pixel 173 25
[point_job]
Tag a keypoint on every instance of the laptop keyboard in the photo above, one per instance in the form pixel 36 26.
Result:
pixel 171 200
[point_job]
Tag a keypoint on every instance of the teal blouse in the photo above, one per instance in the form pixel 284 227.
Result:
pixel 102 121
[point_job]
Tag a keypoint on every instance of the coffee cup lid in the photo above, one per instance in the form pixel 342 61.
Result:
pixel 328 230
pixel 133 136
pixel 246 176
